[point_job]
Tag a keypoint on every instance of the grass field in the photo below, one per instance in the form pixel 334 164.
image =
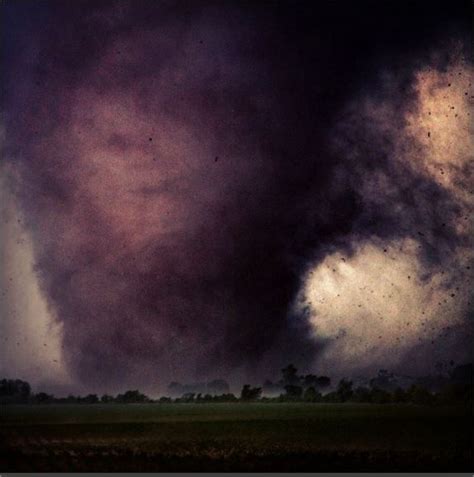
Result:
pixel 235 437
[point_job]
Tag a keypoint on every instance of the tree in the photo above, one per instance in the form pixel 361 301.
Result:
pixel 293 392
pixel 420 395
pixel 344 390
pixel 14 391
pixel 290 376
pixel 91 399
pixel 323 382
pixel 311 395
pixel 400 395
pixel 228 397
pixel 310 380
pixel 462 374
pixel 187 397
pixel 379 396
pixel 132 396
pixel 271 388
pixel 331 397
pixel 384 380
pixel 361 394
pixel 249 393
pixel 44 398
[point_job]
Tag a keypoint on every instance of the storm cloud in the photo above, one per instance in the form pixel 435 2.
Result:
pixel 181 169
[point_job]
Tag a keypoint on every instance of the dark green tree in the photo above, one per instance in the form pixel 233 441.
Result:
pixel 249 393
pixel 323 382
pixel 44 398
pixel 293 392
pixel 344 390
pixel 361 394
pixel 91 399
pixel 311 395
pixel 310 380
pixel 290 376
pixel 14 391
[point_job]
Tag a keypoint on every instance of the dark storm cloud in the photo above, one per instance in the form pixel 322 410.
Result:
pixel 178 170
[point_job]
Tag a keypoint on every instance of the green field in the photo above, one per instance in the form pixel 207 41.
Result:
pixel 235 437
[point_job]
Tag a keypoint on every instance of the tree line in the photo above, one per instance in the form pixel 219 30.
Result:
pixel 454 387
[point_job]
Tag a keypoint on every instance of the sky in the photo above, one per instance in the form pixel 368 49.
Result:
pixel 201 190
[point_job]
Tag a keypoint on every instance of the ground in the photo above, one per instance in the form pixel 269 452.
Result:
pixel 235 437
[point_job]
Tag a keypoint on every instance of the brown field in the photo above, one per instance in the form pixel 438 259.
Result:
pixel 235 437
